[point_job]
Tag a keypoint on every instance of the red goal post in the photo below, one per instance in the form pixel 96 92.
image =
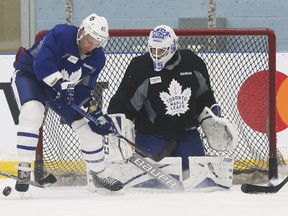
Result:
pixel 232 57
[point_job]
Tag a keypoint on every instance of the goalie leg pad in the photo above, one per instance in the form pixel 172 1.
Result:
pixel 154 178
pixel 218 169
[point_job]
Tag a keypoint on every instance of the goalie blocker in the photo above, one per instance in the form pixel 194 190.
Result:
pixel 221 134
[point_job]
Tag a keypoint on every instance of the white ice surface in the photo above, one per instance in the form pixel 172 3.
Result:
pixel 77 201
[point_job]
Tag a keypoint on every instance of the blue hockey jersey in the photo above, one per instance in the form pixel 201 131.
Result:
pixel 57 50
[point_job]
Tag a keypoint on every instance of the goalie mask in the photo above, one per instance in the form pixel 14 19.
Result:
pixel 162 43
pixel 97 27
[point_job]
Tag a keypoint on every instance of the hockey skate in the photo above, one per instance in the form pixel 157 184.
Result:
pixel 24 172
pixel 104 181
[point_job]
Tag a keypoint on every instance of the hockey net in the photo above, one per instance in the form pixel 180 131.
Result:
pixel 233 57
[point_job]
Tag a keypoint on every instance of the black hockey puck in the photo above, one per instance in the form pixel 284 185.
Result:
pixel 7 190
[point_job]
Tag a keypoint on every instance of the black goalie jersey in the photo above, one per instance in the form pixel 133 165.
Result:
pixel 167 102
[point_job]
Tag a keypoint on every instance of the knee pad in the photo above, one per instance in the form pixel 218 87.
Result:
pixel 31 115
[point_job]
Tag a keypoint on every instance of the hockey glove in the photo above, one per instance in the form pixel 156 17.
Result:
pixel 65 93
pixel 103 124
pixel 221 134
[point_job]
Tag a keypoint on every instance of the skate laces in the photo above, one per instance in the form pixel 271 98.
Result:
pixel 102 180
pixel 110 181
pixel 24 170
pixel 24 174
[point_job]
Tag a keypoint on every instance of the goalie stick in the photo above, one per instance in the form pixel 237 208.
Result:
pixel 164 152
pixel 154 171
pixel 255 189
pixel 48 180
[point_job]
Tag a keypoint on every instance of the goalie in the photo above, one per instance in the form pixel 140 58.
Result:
pixel 167 94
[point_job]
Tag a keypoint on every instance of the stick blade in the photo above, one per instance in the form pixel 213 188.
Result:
pixel 256 189
pixel 48 180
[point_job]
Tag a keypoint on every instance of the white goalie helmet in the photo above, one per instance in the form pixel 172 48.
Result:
pixel 97 27
pixel 162 43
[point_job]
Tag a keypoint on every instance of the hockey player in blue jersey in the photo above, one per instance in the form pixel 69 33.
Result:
pixel 59 69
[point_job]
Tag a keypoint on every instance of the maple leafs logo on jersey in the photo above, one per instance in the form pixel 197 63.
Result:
pixel 73 77
pixel 176 101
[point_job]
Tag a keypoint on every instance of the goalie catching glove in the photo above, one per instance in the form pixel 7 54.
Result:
pixel 221 134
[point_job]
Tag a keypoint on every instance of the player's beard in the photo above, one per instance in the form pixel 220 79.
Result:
pixel 83 51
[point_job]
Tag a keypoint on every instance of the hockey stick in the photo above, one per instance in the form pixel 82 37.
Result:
pixel 47 181
pixel 255 189
pixel 164 152
pixel 169 181
pixel 154 171
pixel 36 184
